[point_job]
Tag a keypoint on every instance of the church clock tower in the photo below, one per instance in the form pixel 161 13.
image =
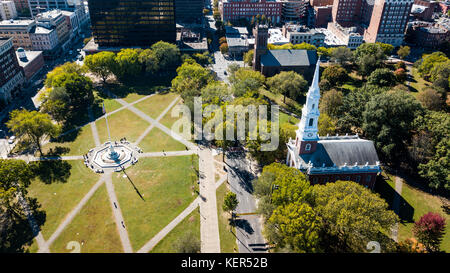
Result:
pixel 307 133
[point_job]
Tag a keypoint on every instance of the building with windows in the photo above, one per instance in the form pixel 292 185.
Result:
pixel 19 31
pixel 11 75
pixel 388 22
pixel 348 37
pixel 31 62
pixel 330 158
pixel 123 23
pixel 55 19
pixel 232 10
pixel 189 10
pixel 294 10
pixel 297 34
pixel 7 10
pixel 39 6
pixel 44 39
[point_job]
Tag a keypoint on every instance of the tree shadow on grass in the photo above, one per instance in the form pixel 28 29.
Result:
pixel 50 171
pixel 243 224
pixel 16 231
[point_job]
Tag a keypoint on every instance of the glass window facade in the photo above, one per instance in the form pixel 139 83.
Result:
pixel 132 23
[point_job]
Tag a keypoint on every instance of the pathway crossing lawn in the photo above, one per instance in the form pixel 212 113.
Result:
pixel 93 227
pixel 168 120
pixel 190 224
pixel 59 198
pixel 165 184
pixel 76 143
pixel 157 141
pixel 122 124
pixel 423 203
pixel 111 105
pixel 227 239
pixel 156 104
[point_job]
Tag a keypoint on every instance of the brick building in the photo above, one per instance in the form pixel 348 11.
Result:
pixel 19 31
pixel 232 10
pixel 388 22
pixel 346 12
pixel 11 75
pixel 31 62
pixel 320 3
pixel 328 159
pixel 322 15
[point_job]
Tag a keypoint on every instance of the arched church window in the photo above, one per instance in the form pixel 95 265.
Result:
pixel 311 120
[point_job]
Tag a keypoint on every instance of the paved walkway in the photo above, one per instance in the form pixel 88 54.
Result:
pixel 396 205
pixel 120 222
pixel 71 215
pixel 209 221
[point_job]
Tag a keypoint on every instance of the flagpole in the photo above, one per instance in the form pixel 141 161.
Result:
pixel 113 153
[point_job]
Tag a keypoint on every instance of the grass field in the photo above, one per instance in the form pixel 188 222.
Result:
pixel 156 104
pixel 227 239
pixel 417 84
pixel 76 143
pixel 122 124
pixel 189 225
pixel 157 141
pixel 423 203
pixel 59 198
pixel 94 228
pixel 165 185
pixel 285 118
pixel 168 120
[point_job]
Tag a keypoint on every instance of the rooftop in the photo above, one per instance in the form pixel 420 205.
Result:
pixel 31 55
pixel 289 57
pixel 276 37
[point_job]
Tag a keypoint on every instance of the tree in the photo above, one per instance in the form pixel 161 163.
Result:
pixel 388 121
pixel 167 55
pixel 368 57
pixel 400 64
pixel 353 215
pixel 55 103
pixel 101 64
pixel 16 176
pixel 66 68
pixel 188 243
pixel 33 126
pixel 335 74
pixel 203 59
pixel 222 40
pixel 331 102
pixel 400 75
pixel 296 226
pixel 411 245
pixel 79 88
pixel 381 77
pixel 403 52
pixel 428 62
pixel 430 230
pixel 387 48
pixel 148 61
pixel 224 48
pixel 342 55
pixel 127 64
pixel 230 202
pixel 192 76
pixel 288 83
pixel 430 99
pixel 327 126
pixel 248 57
pixel 437 170
pixel 246 87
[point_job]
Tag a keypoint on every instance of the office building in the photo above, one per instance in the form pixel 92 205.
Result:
pixel 7 10
pixel 189 11
pixel 232 10
pixel 11 75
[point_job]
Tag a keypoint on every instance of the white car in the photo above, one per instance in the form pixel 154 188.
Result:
pixel 11 139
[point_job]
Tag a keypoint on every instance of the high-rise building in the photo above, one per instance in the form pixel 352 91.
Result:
pixel 21 5
pixel 189 10
pixel 7 10
pixel 232 10
pixel 294 10
pixel 129 23
pixel 346 12
pixel 388 22
pixel 11 75
pixel 39 6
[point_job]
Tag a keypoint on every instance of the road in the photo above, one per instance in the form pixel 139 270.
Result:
pixel 248 227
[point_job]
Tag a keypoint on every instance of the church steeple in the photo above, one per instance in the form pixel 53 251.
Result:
pixel 307 133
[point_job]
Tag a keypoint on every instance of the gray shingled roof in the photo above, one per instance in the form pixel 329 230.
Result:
pixel 289 57
pixel 339 152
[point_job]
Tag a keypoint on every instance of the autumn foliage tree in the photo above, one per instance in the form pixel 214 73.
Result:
pixel 430 230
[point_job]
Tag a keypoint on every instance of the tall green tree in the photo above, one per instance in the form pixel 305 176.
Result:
pixel 127 64
pixel 166 54
pixel 342 55
pixel 32 126
pixel 381 77
pixel 403 52
pixel 335 74
pixel 15 177
pixel 368 57
pixel 230 202
pixel 352 216
pixel 288 83
pixel 101 64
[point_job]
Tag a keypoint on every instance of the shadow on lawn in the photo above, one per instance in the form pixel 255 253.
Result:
pixel 50 171
pixel 16 233
pixel 406 211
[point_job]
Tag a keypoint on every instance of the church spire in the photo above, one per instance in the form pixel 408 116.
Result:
pixel 308 126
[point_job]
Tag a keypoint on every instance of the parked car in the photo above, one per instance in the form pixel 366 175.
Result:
pixel 11 139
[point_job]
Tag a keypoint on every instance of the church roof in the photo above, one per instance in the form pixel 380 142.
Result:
pixel 289 57
pixel 340 152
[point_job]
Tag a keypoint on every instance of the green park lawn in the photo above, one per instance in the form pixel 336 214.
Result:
pixel 156 104
pixel 77 142
pixel 189 225
pixel 165 185
pixel 93 228
pixel 168 120
pixel 158 141
pixel 227 238
pixel 418 83
pixel 58 198
pixel 111 105
pixel 422 203
pixel 122 124
pixel 285 118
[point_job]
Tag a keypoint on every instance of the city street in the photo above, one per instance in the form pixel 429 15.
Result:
pixel 248 227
